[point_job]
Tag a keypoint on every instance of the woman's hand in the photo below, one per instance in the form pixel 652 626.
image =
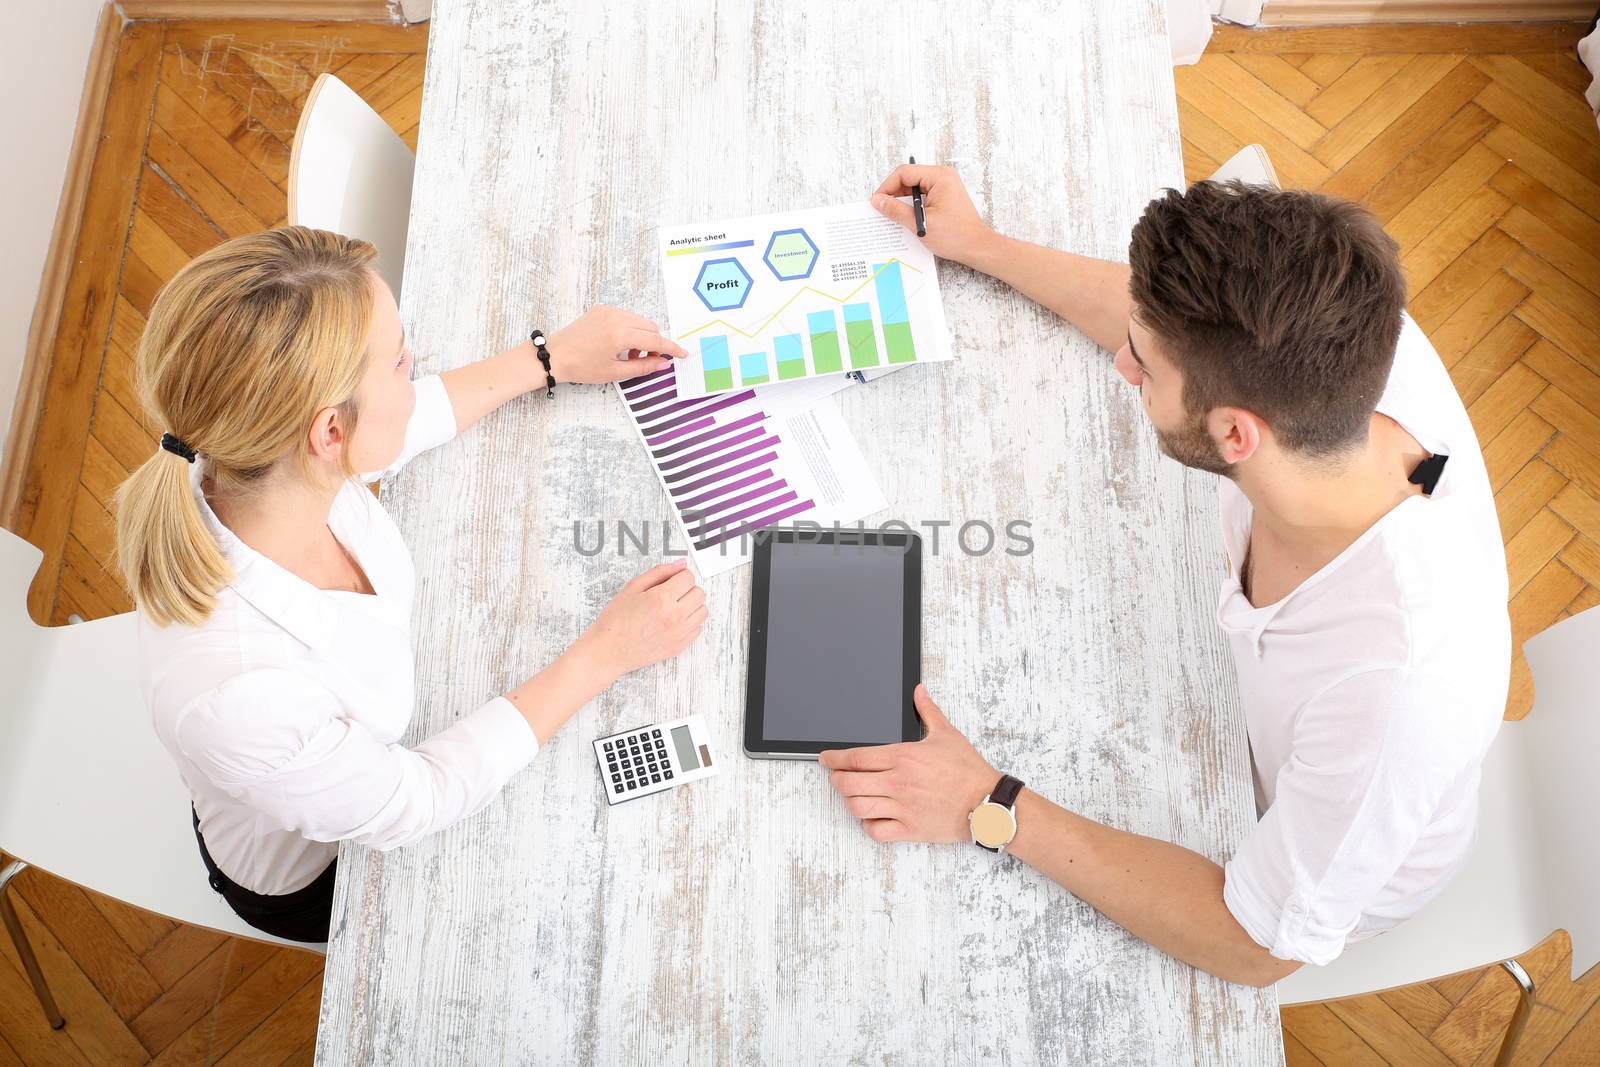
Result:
pixel 607 344
pixel 656 615
pixel 955 230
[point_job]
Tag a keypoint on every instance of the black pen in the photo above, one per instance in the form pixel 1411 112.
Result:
pixel 916 205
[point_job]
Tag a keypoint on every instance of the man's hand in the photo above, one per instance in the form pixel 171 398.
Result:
pixel 1092 294
pixel 916 791
pixel 955 230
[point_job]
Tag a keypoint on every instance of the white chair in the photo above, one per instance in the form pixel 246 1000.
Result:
pixel 350 173
pixel 1250 165
pixel 1535 867
pixel 87 792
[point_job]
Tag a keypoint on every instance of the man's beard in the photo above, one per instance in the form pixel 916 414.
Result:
pixel 1192 446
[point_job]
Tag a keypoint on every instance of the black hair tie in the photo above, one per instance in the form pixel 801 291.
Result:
pixel 177 447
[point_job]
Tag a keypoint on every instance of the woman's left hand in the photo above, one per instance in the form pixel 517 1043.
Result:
pixel 607 344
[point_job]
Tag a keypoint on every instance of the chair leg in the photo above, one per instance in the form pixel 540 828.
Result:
pixel 24 949
pixel 1519 1018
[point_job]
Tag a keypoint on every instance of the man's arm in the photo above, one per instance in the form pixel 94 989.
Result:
pixel 1160 892
pixel 1092 294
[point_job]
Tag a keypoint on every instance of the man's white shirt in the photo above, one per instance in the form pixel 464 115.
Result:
pixel 1371 694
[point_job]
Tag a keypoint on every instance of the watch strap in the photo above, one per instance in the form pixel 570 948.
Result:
pixel 1005 794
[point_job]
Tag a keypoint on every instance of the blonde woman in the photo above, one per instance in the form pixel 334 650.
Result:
pixel 275 593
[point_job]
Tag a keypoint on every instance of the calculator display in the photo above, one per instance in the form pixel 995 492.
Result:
pixel 685 747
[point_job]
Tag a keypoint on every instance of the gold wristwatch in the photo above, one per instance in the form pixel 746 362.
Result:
pixel 994 822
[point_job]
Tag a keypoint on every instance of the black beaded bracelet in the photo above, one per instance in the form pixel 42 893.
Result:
pixel 537 337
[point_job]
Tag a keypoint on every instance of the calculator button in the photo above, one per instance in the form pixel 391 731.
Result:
pixel 619 789
pixel 616 777
pixel 655 778
pixel 668 774
pixel 628 772
pixel 660 743
pixel 655 733
pixel 608 746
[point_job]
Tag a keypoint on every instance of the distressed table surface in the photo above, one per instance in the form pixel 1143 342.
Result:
pixel 746 918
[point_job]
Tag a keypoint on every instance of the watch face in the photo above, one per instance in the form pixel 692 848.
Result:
pixel 993 825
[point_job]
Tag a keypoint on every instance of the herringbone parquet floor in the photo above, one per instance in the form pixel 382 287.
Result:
pixel 1471 143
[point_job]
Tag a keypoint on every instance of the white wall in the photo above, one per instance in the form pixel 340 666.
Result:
pixel 44 56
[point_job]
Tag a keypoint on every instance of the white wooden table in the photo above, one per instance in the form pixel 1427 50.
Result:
pixel 747 919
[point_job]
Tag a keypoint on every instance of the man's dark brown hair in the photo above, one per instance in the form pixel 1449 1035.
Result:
pixel 1281 302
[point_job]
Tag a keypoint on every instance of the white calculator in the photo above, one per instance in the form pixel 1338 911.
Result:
pixel 653 759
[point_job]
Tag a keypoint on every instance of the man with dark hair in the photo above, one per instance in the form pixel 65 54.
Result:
pixel 1365 603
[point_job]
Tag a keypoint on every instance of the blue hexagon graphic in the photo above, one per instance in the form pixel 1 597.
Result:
pixel 723 284
pixel 791 255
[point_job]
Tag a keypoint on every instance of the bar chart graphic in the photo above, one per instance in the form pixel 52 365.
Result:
pixel 815 350
pixel 839 290
pixel 738 462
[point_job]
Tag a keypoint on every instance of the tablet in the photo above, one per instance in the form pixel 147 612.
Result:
pixel 835 641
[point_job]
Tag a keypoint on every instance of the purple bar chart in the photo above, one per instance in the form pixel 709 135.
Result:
pixel 719 457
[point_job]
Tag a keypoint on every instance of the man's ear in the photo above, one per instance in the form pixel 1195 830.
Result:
pixel 1238 433
pixel 325 440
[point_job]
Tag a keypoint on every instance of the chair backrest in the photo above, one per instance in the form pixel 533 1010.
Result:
pixel 87 792
pixel 1251 165
pixel 1562 750
pixel 1534 868
pixel 350 173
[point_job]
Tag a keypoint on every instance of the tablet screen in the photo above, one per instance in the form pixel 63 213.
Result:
pixel 835 643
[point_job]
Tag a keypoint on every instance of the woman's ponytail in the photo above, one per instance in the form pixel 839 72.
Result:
pixel 242 349
pixel 168 558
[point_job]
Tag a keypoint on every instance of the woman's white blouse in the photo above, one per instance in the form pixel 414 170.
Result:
pixel 285 709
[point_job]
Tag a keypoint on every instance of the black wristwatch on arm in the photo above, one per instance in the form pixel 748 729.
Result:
pixel 994 822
